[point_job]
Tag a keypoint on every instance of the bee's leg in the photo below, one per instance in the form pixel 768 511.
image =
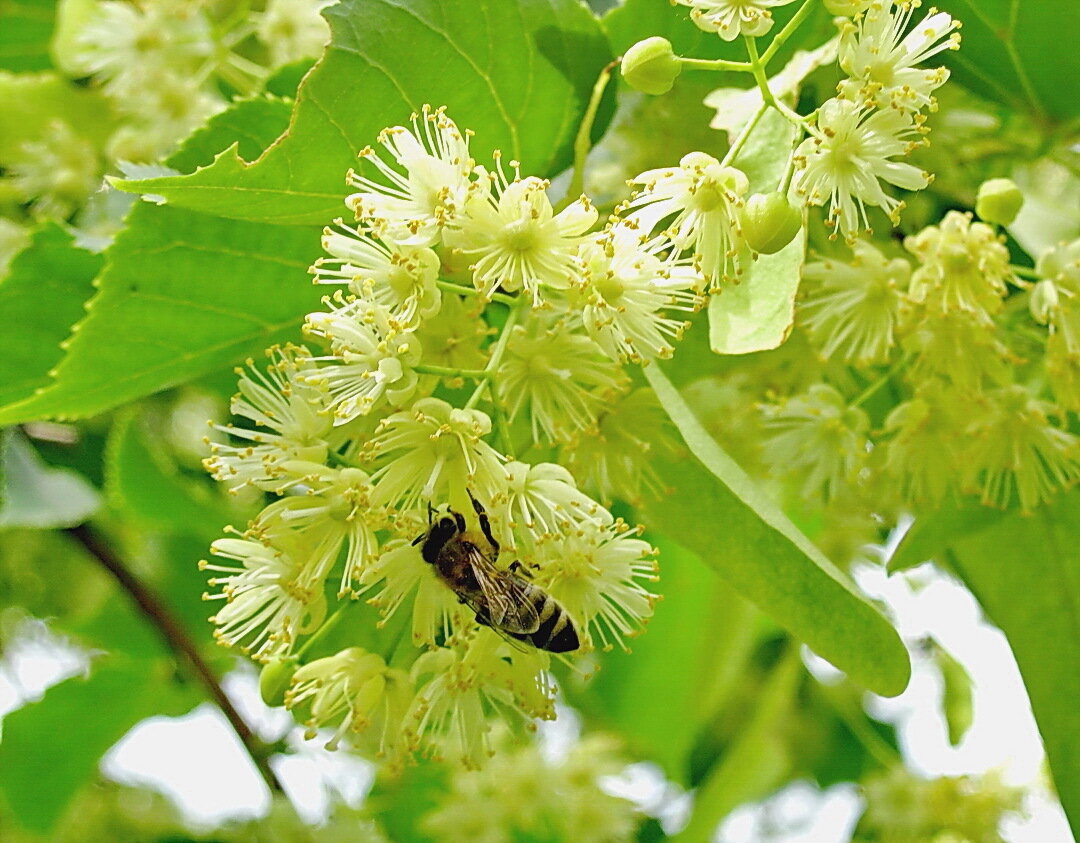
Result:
pixel 485 524
pixel 519 567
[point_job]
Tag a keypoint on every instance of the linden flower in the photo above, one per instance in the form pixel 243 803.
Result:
pixel 1014 450
pixel 731 18
pixel 293 29
pixel 471 682
pixel 544 503
pixel 515 239
pixel 355 693
pixel 846 158
pixel 628 290
pixel 817 436
pixel 291 424
pixel 266 604
pixel 55 173
pixel 597 575
pixel 335 512
pixel 454 337
pixel 433 452
pixel 556 378
pixel 1056 298
pixel 400 279
pixel 965 266
pixel 698 203
pixel 370 362
pixel 614 459
pixel 413 208
pixel 525 793
pixel 851 309
pixel 927 432
pixel 959 346
pixel 401 573
pixel 122 42
pixel 881 60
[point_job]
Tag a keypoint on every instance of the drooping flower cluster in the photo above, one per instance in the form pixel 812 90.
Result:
pixel 525 792
pixel 962 420
pixel 450 275
pixel 861 136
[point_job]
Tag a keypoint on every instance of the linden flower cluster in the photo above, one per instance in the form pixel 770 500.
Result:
pixel 160 67
pixel 454 274
pixel 525 792
pixel 965 423
pixel 858 139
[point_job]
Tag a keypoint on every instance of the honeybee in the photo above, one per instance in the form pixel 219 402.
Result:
pixel 501 599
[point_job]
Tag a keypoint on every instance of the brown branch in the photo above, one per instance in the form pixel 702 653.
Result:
pixel 161 617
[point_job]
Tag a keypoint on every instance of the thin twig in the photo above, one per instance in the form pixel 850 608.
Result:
pixel 162 619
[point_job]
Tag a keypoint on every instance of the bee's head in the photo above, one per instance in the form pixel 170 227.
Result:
pixel 447 524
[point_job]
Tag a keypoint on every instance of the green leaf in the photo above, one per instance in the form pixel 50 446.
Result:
pixel 1013 52
pixel 42 296
pixel 718 512
pixel 932 533
pixel 182 294
pixel 518 74
pixel 252 125
pixel 757 313
pixel 51 748
pixel 24 36
pixel 36 495
pixel 1025 571
pixel 141 482
pixel 758 760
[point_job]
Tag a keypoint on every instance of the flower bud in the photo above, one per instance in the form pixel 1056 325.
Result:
pixel 650 66
pixel 770 222
pixel 275 678
pixel 847 8
pixel 998 201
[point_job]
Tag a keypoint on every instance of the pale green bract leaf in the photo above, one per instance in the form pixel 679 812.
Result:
pixel 719 513
pixel 42 296
pixel 757 313
pixel 38 496
pixel 518 74
pixel 1025 571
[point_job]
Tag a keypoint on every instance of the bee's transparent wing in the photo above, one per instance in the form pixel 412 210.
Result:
pixel 506 599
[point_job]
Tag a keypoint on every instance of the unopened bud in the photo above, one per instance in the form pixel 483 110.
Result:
pixel 770 222
pixel 274 680
pixel 998 201
pixel 650 66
